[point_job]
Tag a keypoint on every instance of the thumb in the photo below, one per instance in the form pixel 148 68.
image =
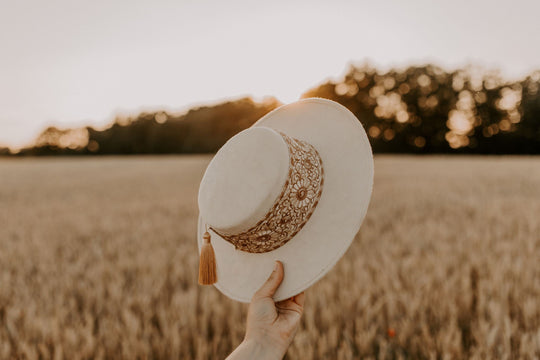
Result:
pixel 270 286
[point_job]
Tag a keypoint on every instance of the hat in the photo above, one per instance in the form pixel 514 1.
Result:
pixel 294 187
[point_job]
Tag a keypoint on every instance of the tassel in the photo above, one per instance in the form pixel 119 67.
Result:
pixel 207 263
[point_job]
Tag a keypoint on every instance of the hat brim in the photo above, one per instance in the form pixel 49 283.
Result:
pixel 347 159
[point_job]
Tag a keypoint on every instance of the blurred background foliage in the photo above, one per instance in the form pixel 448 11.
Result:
pixel 418 109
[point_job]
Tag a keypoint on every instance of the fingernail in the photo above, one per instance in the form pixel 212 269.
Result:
pixel 276 265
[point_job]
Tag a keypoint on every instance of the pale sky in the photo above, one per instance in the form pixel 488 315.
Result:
pixel 71 63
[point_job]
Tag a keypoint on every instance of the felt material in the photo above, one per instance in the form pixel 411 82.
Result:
pixel 347 159
pixel 243 180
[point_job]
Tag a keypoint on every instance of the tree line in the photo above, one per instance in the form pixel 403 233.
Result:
pixel 418 109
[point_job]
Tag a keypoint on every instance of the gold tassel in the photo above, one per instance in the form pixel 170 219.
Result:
pixel 207 263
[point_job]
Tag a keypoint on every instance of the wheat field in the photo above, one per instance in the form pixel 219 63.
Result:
pixel 98 260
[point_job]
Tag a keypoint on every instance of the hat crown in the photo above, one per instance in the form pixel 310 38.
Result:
pixel 244 179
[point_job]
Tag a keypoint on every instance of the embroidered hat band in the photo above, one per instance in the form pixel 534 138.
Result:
pixel 293 207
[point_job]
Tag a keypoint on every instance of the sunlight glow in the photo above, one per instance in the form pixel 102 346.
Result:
pixel 90 61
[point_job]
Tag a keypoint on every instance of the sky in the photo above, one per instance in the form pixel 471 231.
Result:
pixel 71 63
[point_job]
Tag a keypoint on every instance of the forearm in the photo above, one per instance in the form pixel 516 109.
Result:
pixel 249 349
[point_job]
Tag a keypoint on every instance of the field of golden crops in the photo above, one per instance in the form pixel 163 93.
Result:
pixel 98 259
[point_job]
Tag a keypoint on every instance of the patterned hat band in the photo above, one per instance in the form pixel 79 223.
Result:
pixel 292 208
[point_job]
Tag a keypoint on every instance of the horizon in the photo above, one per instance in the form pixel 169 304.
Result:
pixel 75 73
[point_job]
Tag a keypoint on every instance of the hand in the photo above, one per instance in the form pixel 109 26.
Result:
pixel 270 326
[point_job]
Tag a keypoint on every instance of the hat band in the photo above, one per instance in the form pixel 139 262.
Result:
pixel 292 208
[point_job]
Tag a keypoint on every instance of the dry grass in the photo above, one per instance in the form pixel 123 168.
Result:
pixel 98 260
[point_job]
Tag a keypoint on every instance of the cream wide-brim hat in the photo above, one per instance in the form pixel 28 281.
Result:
pixel 343 147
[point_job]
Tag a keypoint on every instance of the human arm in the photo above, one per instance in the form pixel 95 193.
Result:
pixel 270 326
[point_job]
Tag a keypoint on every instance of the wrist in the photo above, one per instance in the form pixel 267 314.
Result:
pixel 263 350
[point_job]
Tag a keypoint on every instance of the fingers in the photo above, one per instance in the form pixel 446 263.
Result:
pixel 270 286
pixel 295 303
pixel 300 298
